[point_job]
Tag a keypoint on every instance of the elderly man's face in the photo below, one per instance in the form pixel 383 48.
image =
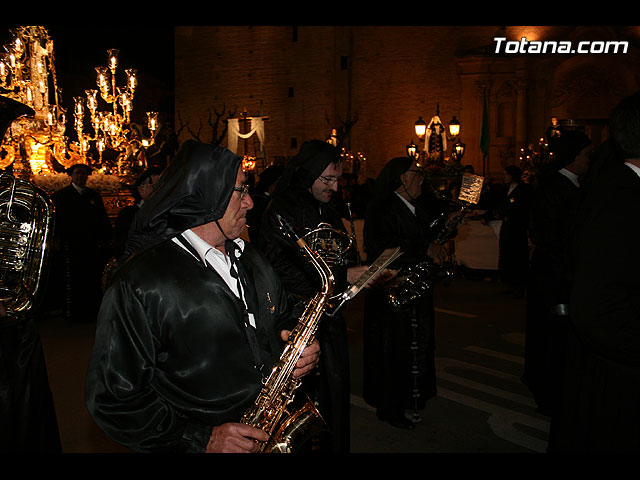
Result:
pixel 327 183
pixel 234 219
pixel 412 181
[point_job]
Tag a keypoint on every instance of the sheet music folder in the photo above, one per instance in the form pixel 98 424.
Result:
pixel 382 262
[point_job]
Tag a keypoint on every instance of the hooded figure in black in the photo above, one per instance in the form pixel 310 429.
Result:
pixel 399 214
pixel 179 355
pixel 304 196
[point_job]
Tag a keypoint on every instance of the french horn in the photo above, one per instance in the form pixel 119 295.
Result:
pixel 335 246
pixel 330 243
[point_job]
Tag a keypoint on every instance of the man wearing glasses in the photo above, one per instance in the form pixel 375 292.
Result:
pixel 306 196
pixel 193 321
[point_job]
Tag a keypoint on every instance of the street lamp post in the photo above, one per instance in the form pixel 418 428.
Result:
pixel 457 148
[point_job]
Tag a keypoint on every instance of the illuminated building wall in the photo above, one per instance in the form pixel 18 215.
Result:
pixel 380 80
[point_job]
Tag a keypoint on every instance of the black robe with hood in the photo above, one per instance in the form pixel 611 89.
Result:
pixel 388 381
pixel 171 358
pixel 295 203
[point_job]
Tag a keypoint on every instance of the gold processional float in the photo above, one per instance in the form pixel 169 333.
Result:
pixel 36 147
pixel 35 154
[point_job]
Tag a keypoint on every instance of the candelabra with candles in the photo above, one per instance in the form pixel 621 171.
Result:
pixel 33 145
pixel 532 159
pixel 113 129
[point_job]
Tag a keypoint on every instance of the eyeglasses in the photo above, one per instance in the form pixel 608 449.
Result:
pixel 243 190
pixel 329 180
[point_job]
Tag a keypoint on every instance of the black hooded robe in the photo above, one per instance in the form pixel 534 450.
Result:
pixel 171 359
pixel 296 204
pixel 388 382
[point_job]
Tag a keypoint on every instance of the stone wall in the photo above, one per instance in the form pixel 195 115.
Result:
pixel 376 81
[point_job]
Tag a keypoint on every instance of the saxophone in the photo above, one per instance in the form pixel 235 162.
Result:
pixel 270 411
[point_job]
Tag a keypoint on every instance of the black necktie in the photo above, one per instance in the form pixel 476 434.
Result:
pixel 238 272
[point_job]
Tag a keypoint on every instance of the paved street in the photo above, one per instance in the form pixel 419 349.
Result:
pixel 481 407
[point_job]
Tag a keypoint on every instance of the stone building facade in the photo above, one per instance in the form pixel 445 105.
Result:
pixel 373 82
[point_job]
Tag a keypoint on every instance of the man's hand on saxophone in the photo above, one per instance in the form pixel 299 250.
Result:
pixel 308 359
pixel 241 438
pixel 235 438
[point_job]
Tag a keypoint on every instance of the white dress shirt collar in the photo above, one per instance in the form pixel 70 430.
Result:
pixel 409 206
pixel 204 249
pixel 633 167
pixel 218 260
pixel 573 178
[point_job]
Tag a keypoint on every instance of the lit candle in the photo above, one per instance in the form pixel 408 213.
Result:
pixel 113 58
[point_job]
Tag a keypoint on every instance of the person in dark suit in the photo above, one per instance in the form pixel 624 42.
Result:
pixel 554 202
pixel 513 246
pixel 83 236
pixel 600 409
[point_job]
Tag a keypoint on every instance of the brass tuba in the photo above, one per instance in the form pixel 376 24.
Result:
pixel 26 225
pixel 273 411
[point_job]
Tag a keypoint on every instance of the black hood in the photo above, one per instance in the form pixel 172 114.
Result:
pixel 314 157
pixel 193 190
pixel 388 181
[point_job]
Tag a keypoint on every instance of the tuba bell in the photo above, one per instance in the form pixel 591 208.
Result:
pixel 26 225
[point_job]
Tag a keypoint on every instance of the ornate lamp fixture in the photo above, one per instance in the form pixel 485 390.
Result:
pixel 454 127
pixel 457 149
pixel 113 129
pixel 420 128
pixel 33 144
pixel 412 150
pixel 435 138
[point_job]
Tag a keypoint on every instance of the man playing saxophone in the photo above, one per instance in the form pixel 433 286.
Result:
pixel 193 320
pixel 305 197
